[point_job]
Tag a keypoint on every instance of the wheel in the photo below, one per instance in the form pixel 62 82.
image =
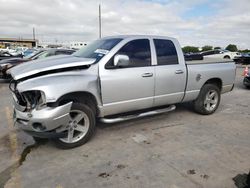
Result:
pixel 208 100
pixel 80 128
pixel 227 57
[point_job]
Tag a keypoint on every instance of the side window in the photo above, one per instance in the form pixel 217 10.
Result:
pixel 208 53
pixel 138 52
pixel 216 52
pixel 166 52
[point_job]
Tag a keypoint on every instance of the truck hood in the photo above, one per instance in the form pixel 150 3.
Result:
pixel 50 64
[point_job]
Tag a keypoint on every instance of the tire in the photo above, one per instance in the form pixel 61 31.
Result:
pixel 227 57
pixel 208 100
pixel 81 128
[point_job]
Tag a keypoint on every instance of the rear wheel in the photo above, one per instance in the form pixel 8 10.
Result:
pixel 227 57
pixel 80 128
pixel 208 100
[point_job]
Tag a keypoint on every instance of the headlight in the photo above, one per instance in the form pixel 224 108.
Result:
pixel 34 99
pixel 5 65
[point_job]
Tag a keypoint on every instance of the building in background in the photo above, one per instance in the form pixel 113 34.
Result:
pixel 15 42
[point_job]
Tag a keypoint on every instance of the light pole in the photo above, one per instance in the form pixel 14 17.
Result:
pixel 100 22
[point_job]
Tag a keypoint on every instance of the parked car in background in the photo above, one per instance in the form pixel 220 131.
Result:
pixel 243 59
pixel 221 54
pixel 17 50
pixel 29 51
pixel 39 54
pixel 7 55
pixel 55 51
pixel 14 51
pixel 193 56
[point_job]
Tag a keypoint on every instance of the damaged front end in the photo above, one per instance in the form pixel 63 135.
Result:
pixel 28 100
pixel 37 87
pixel 32 114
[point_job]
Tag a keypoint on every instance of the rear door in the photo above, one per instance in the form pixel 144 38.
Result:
pixel 170 73
pixel 132 87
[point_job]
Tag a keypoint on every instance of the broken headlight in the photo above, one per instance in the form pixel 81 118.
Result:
pixel 35 99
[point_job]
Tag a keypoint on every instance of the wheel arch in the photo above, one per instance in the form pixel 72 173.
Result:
pixel 83 97
pixel 215 81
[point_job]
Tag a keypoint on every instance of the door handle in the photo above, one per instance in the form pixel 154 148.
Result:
pixel 147 74
pixel 179 72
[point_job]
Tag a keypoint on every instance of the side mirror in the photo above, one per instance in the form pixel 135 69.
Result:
pixel 121 60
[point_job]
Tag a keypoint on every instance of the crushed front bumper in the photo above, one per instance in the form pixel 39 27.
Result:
pixel 46 123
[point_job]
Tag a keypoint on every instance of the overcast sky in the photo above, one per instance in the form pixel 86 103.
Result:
pixel 193 22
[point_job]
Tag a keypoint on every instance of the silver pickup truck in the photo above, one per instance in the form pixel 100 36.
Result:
pixel 111 80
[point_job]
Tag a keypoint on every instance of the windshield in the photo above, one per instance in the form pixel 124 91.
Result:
pixel 34 54
pixel 98 49
pixel 30 55
pixel 42 55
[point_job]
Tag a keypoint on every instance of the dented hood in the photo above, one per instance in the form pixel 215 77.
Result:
pixel 48 64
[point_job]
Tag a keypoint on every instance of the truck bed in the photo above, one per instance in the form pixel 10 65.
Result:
pixel 199 71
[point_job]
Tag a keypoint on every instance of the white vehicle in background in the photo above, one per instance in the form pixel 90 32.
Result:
pixel 14 52
pixel 221 54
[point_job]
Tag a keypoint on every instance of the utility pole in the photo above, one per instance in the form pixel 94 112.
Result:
pixel 34 35
pixel 100 22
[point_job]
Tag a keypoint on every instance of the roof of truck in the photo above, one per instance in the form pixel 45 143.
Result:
pixel 139 36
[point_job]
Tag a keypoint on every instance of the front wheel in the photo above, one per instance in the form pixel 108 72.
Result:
pixel 80 127
pixel 208 100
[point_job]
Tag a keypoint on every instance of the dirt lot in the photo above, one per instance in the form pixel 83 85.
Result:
pixel 175 150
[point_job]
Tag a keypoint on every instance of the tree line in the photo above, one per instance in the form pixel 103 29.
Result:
pixel 194 49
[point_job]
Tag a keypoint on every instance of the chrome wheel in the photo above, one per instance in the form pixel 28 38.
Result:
pixel 78 126
pixel 211 100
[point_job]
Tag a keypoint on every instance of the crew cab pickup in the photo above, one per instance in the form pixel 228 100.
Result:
pixel 113 79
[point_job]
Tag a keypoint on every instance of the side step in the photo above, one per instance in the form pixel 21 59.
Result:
pixel 144 114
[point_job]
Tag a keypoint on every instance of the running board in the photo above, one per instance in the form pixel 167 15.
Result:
pixel 144 114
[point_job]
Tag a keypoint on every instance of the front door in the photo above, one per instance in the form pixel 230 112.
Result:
pixel 130 87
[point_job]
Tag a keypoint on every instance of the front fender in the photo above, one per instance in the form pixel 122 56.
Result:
pixel 56 85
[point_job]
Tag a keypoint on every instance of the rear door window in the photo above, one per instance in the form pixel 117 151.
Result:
pixel 166 52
